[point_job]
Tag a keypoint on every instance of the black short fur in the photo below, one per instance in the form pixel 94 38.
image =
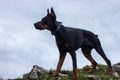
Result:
pixel 70 39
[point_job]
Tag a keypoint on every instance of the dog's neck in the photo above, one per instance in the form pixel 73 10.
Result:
pixel 58 25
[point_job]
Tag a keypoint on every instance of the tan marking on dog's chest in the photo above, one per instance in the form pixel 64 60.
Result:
pixel 66 45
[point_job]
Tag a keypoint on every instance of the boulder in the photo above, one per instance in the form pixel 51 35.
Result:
pixel 37 70
pixel 116 68
pixel 115 74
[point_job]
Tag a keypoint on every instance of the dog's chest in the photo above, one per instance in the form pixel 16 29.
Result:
pixel 66 45
pixel 63 45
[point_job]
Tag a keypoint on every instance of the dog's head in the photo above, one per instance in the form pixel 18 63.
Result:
pixel 48 22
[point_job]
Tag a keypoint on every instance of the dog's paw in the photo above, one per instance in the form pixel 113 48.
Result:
pixel 55 74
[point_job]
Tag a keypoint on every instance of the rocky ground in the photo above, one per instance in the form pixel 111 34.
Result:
pixel 100 73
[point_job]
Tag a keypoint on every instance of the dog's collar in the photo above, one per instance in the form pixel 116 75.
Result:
pixel 59 24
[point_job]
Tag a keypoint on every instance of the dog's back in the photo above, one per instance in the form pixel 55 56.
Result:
pixel 77 37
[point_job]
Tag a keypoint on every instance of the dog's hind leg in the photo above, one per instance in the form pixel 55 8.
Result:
pixel 99 49
pixel 87 53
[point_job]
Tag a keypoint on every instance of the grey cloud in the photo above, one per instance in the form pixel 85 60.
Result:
pixel 21 46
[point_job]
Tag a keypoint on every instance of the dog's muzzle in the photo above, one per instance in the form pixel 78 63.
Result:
pixel 36 26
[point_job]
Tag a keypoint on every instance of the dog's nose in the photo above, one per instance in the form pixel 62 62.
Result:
pixel 35 25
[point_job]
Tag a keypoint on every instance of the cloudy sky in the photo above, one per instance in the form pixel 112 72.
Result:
pixel 22 46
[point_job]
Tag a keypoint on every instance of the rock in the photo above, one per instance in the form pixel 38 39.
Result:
pixel 63 75
pixel 1 78
pixel 116 68
pixel 91 77
pixel 37 70
pixel 59 79
pixel 115 74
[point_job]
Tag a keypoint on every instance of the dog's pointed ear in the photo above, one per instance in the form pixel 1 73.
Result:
pixel 48 12
pixel 53 13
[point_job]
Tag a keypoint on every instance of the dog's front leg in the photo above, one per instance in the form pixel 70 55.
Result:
pixel 60 62
pixel 75 71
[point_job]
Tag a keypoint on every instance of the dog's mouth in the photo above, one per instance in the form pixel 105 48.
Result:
pixel 41 26
pixel 37 27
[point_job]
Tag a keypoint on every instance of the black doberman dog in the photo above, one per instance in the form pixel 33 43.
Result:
pixel 69 40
